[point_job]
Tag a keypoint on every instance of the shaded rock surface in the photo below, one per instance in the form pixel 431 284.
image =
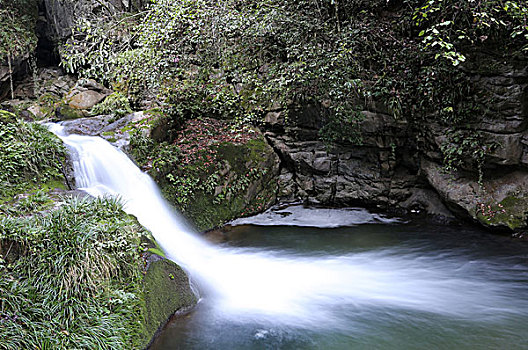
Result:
pixel 48 81
pixel 345 174
pixel 390 171
pixel 167 291
pixel 501 200
pixel 62 15
pixel 19 68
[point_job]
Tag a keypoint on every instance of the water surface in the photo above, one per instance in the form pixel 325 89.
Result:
pixel 478 301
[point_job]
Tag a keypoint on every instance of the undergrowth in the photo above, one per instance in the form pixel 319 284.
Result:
pixel 71 279
pixel 29 154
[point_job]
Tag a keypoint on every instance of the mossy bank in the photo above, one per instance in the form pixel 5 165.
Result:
pixel 212 170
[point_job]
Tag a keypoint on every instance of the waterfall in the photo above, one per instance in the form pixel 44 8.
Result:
pixel 283 287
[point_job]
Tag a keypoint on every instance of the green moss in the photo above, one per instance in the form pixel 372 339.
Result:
pixel 66 112
pixel 205 214
pixel 258 149
pixel 511 212
pixel 234 154
pixel 247 188
pixel 212 172
pixel 157 251
pixel 167 290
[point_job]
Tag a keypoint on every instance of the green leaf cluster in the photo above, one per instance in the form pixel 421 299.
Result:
pixel 117 104
pixel 449 27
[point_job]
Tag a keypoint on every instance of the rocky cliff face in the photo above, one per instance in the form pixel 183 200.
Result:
pixel 396 166
pixel 62 15
pixel 382 171
pixel 391 171
pixel 499 198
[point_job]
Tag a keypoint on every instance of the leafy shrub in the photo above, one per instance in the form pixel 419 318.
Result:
pixel 237 59
pixel 116 104
pixel 448 27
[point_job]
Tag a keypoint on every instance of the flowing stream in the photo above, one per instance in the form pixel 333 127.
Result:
pixel 336 297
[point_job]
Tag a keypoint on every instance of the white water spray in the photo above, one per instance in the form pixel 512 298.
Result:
pixel 279 286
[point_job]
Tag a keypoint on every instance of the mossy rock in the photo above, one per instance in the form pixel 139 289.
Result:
pixel 166 291
pixel 65 112
pixel 511 212
pixel 207 211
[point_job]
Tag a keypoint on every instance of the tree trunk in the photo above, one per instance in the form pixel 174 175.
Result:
pixel 337 15
pixel 10 75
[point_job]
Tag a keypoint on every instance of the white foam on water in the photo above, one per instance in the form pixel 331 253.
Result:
pixel 299 215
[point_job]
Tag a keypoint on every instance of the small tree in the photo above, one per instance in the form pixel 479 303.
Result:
pixel 17 36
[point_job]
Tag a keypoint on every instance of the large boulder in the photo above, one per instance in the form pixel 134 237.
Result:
pixel 500 200
pixel 85 99
pixel 86 94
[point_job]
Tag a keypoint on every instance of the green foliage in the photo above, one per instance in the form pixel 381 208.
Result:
pixel 449 26
pixel 209 171
pixel 94 46
pixel 463 143
pixel 17 23
pixel 239 59
pixel 72 279
pixel 29 154
pixel 232 59
pixel 116 104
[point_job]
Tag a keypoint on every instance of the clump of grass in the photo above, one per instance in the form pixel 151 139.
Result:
pixel 29 154
pixel 31 203
pixel 72 279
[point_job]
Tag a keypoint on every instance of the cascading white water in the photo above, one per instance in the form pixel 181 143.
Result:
pixel 285 287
